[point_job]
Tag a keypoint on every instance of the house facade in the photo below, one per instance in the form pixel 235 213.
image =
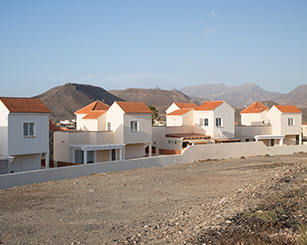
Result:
pixel 106 133
pixel 280 125
pixel 192 124
pixel 24 130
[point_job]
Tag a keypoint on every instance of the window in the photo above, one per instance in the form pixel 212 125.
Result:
pixel 90 157
pixel 269 122
pixel 290 121
pixel 219 122
pixel 203 122
pixel 134 126
pixel 79 156
pixel 109 126
pixel 28 129
pixel 113 154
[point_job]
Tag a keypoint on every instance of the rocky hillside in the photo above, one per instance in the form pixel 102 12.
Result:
pixel 151 96
pixel 64 100
pixel 295 97
pixel 157 97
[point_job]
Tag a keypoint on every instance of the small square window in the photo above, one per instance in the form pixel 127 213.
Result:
pixel 219 122
pixel 203 122
pixel 28 129
pixel 134 126
pixel 290 121
pixel 109 126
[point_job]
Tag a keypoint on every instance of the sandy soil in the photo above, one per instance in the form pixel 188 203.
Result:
pixel 108 208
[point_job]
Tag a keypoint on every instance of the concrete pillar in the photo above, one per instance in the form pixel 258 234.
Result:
pixel 85 157
pixel 11 159
pixel 121 154
pixel 281 142
pixel 149 149
pixel 47 160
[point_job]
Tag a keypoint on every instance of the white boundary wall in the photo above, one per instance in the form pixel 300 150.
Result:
pixel 286 149
pixel 191 154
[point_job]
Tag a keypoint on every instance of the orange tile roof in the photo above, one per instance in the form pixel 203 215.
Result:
pixel 288 109
pixel 93 114
pixel 179 112
pixel 97 105
pixel 186 105
pixel 209 105
pixel 24 105
pixel 256 107
pixel 133 107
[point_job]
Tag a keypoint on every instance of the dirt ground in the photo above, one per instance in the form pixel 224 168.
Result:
pixel 110 208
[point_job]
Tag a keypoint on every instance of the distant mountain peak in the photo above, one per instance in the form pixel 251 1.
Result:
pixel 157 88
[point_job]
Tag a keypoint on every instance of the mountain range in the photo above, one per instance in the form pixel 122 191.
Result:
pixel 237 96
pixel 64 100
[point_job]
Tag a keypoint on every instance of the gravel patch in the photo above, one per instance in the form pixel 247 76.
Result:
pixel 177 204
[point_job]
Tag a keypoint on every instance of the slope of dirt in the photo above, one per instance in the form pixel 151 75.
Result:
pixel 176 204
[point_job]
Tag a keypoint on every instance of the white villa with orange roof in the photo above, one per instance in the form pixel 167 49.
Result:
pixel 280 125
pixel 106 133
pixel 188 123
pixel 24 130
pixel 88 117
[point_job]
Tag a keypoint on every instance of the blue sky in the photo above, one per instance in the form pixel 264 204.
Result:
pixel 143 44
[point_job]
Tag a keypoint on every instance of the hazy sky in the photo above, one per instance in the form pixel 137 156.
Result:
pixel 147 43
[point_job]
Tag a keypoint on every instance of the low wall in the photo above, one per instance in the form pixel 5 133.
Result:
pixel 286 149
pixel 43 175
pixel 190 154
pixel 227 150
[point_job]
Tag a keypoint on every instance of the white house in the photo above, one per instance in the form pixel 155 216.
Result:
pixel 276 126
pixel 180 114
pixel 215 118
pixel 287 121
pixel 192 124
pixel 105 133
pixel 92 117
pixel 255 114
pixel 24 130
